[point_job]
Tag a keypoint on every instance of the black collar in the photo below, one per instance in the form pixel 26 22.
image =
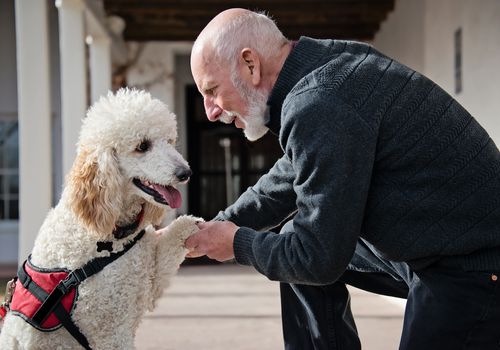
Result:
pixel 124 231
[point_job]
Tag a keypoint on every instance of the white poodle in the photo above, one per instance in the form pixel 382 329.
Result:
pixel 121 183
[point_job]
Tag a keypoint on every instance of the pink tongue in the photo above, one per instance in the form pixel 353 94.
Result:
pixel 170 194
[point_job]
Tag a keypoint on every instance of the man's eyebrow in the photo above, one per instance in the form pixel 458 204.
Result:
pixel 207 85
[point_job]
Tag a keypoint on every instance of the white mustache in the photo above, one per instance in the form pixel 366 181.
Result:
pixel 227 117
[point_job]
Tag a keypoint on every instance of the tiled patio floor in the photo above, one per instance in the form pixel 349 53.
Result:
pixel 232 307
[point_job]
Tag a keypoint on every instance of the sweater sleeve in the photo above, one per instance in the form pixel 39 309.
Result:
pixel 267 203
pixel 332 153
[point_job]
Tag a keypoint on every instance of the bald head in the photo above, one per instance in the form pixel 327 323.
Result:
pixel 209 35
pixel 234 29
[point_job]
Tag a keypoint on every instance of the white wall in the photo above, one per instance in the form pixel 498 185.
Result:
pixel 420 34
pixel 480 23
pixel 8 109
pixel 55 94
pixel 401 35
pixel 8 78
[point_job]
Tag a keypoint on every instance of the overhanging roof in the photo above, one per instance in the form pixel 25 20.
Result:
pixel 182 20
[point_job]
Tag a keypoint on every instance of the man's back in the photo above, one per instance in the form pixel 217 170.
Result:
pixel 435 183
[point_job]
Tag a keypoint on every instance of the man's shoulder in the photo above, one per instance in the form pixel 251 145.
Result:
pixel 336 64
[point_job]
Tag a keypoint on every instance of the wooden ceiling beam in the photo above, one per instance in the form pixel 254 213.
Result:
pixel 183 19
pixel 273 11
pixel 211 8
pixel 146 34
pixel 306 18
pixel 338 27
pixel 239 3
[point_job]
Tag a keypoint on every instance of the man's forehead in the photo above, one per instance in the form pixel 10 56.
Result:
pixel 204 77
pixel 201 64
pixel 208 75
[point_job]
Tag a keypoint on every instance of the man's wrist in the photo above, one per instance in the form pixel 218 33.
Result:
pixel 242 245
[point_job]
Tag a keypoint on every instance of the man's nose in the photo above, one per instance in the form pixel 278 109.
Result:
pixel 211 109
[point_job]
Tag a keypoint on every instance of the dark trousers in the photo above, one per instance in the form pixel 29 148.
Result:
pixel 447 308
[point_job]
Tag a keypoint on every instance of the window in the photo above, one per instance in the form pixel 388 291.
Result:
pixel 9 170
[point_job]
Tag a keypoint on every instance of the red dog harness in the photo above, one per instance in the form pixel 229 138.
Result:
pixel 45 298
pixel 25 304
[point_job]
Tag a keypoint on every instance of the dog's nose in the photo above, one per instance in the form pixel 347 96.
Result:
pixel 183 174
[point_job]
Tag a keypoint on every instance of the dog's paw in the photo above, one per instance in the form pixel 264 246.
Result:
pixel 184 226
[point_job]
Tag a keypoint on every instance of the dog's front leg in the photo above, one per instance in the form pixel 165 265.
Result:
pixel 170 251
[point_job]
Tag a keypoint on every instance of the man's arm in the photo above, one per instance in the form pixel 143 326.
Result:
pixel 265 205
pixel 332 152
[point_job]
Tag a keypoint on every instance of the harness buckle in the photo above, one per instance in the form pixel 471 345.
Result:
pixel 9 292
pixel 72 280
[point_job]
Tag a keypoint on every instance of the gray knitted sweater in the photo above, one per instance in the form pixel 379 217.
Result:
pixel 372 149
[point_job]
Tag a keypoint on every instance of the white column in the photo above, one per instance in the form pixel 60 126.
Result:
pixel 33 90
pixel 73 75
pixel 100 66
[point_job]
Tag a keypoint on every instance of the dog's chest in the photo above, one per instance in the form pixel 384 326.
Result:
pixel 121 291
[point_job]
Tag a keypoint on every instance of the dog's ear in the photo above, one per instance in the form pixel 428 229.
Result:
pixel 95 185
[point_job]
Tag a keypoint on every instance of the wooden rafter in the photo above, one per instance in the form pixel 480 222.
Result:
pixel 177 20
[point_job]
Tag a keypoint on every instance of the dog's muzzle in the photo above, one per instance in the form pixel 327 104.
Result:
pixel 164 194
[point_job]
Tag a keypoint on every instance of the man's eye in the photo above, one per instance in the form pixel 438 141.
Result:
pixel 144 146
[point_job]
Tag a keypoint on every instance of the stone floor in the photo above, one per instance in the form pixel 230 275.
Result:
pixel 232 307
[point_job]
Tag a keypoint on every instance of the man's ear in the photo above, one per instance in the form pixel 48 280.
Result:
pixel 250 66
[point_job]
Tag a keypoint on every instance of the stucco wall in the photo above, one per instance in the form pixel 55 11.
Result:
pixel 8 80
pixel 401 35
pixel 8 110
pixel 480 23
pixel 420 33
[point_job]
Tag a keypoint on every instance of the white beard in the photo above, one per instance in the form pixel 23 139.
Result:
pixel 255 120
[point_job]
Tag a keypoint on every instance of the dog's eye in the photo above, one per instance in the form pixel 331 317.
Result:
pixel 144 146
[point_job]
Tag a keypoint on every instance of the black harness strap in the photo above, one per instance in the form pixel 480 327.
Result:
pixel 52 302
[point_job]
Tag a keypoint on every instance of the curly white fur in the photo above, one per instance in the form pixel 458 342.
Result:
pixel 98 195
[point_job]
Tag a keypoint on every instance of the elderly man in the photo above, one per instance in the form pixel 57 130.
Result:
pixel 386 183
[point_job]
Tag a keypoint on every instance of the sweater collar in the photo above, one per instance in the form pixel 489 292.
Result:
pixel 301 61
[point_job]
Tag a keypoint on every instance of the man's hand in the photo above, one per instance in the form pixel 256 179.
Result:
pixel 214 239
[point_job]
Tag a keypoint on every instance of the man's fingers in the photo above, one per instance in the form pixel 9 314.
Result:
pixel 194 255
pixel 192 242
pixel 202 224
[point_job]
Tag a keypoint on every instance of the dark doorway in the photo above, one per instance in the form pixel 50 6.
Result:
pixel 224 163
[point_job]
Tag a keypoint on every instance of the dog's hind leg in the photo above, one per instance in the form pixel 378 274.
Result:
pixel 170 251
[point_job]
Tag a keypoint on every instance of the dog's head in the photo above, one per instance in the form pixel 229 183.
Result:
pixel 126 148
